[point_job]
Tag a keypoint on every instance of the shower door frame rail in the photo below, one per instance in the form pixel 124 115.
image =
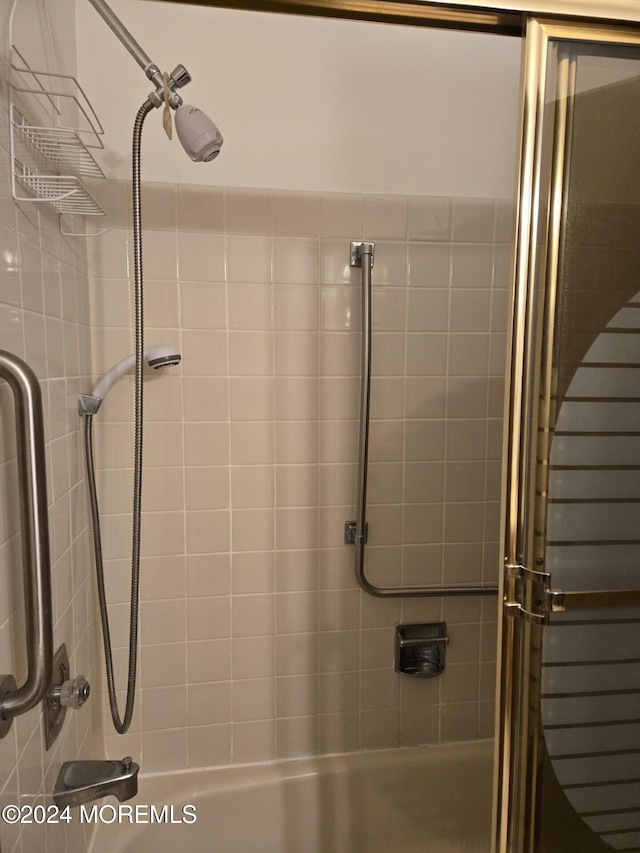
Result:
pixel 528 598
pixel 506 17
pixel 355 532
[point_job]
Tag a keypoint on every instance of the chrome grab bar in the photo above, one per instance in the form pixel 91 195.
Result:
pixel 355 532
pixel 32 480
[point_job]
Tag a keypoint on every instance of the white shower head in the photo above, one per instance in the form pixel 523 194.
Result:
pixel 199 136
pixel 161 355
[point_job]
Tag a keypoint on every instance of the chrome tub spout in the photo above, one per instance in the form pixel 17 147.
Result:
pixel 83 781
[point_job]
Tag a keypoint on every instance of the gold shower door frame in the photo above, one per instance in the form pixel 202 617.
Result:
pixel 528 594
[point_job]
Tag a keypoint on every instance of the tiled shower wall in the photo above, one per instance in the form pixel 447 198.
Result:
pixel 44 319
pixel 256 642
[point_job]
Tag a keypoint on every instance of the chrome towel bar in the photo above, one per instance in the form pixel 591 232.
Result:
pixel 356 531
pixel 32 479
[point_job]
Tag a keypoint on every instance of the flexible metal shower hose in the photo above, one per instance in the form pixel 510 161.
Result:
pixel 122 726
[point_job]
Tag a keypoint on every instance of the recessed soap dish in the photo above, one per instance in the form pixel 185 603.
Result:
pixel 420 649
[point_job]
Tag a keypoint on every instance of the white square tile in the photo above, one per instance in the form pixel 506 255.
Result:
pixel 390 266
pixel 203 305
pixel 296 398
pixel 160 255
pixel 340 308
pixel 428 310
pixel 204 352
pixel 201 257
pixel 296 354
pixel 473 220
pixel 209 746
pixel 296 308
pixel 341 215
pixel 471 265
pixel 252 443
pixel 251 353
pixel 252 529
pixel 429 218
pixel 470 310
pixel 250 306
pixel 207 531
pixel 385 217
pixel 295 261
pixel 249 259
pixel 252 399
pixel 296 213
pixel 200 208
pixel 388 307
pixel 249 211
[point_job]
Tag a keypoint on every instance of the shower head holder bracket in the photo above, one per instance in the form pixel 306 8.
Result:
pixel 178 78
pixel 88 404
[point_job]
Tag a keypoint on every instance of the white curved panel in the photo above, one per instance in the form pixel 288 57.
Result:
pixel 591 664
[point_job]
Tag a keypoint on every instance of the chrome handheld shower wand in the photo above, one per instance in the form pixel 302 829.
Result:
pixel 201 140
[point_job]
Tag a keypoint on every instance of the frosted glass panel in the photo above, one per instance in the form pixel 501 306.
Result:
pixel 589 537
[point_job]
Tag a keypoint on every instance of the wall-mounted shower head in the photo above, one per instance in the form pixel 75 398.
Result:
pixel 161 355
pixel 199 136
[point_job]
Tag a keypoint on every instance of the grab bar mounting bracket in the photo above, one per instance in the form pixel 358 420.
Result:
pixel 7 685
pixel 351 536
pixel 63 693
pixel 358 249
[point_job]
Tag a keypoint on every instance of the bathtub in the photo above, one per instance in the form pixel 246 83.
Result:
pixel 430 799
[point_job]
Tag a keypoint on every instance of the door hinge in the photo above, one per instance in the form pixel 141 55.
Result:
pixel 532 598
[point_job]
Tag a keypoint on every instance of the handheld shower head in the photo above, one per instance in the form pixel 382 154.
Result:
pixel 161 355
pixel 199 136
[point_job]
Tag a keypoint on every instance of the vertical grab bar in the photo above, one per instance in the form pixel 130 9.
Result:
pixel 355 532
pixel 32 481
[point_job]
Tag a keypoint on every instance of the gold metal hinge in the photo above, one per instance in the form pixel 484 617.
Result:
pixel 532 598
pixel 528 594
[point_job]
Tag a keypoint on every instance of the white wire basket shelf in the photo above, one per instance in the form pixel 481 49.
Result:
pixel 54 130
pixel 65 193
pixel 60 146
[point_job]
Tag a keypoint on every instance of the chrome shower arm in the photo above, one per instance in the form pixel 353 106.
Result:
pixel 143 59
pixel 179 76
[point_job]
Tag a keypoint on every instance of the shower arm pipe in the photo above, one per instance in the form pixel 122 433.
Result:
pixel 141 57
pixel 362 255
pixel 32 480
pixel 179 76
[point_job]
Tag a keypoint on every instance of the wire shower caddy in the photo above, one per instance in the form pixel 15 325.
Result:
pixel 53 133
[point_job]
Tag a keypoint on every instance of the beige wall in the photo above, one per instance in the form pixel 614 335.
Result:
pixel 256 642
pixel 44 319
pixel 309 103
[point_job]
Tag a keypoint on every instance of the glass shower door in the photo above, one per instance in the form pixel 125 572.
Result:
pixel 568 763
